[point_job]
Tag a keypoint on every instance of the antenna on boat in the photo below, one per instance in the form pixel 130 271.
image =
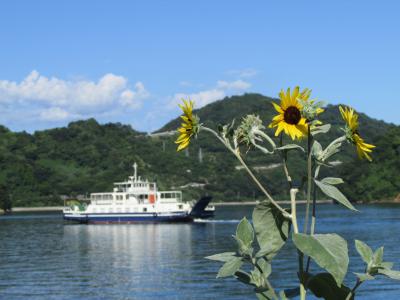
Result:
pixel 135 173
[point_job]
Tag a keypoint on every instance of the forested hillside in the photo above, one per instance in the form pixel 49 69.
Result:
pixel 87 157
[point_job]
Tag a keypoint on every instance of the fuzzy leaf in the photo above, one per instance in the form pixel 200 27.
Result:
pixel 316 149
pixel 323 285
pixel 390 273
pixel 387 265
pixel 245 232
pixel 378 256
pixel 224 256
pixel 243 277
pixel 271 227
pixel 266 295
pixel 290 147
pixel 320 129
pixel 364 250
pixel 333 192
pixel 332 180
pixel 329 251
pixel 265 267
pixel 230 267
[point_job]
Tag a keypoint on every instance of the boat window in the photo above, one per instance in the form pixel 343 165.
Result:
pixel 180 206
pixel 143 196
pixel 144 209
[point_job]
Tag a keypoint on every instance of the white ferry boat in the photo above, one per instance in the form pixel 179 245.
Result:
pixel 137 200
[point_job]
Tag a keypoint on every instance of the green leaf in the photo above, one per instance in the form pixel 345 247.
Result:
pixel 387 265
pixel 390 273
pixel 320 129
pixel 364 276
pixel 323 285
pixel 262 253
pixel 290 147
pixel 266 295
pixel 245 232
pixel 334 193
pixel 332 148
pixel 364 250
pixel 243 249
pixel 316 149
pixel 243 277
pixel 230 267
pixel 271 227
pixel 332 180
pixel 378 256
pixel 224 256
pixel 329 251
pixel 264 266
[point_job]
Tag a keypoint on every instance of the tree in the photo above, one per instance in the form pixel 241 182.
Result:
pixel 5 199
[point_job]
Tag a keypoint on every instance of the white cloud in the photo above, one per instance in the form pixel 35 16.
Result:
pixel 54 114
pixel 59 99
pixel 201 98
pixel 220 91
pixel 130 98
pixel 237 85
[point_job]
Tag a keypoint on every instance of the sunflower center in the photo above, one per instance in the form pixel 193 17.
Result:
pixel 292 115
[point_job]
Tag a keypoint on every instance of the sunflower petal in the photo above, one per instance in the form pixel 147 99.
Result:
pixel 277 108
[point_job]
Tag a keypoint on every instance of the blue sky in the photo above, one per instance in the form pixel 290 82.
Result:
pixel 131 61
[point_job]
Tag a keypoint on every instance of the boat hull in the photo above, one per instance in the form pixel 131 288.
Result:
pixel 128 218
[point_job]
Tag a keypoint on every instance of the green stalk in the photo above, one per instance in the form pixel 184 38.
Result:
pixel 284 163
pixel 239 157
pixel 358 283
pixel 309 179
pixel 266 281
pixel 313 218
pixel 293 193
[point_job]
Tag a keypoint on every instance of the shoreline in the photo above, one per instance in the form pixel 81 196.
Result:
pixel 233 203
pixel 239 203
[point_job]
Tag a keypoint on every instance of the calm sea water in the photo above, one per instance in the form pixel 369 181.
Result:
pixel 43 258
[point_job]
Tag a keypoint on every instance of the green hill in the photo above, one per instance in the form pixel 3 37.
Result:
pixel 87 157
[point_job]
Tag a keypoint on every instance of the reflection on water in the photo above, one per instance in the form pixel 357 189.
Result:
pixel 41 258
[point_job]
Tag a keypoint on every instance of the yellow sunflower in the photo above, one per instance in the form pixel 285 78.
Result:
pixel 189 127
pixel 351 119
pixel 290 119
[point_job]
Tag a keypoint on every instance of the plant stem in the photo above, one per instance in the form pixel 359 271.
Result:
pixel 313 219
pixel 284 163
pixel 293 193
pixel 309 178
pixel 358 283
pixel 239 157
pixel 266 280
pixel 264 135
